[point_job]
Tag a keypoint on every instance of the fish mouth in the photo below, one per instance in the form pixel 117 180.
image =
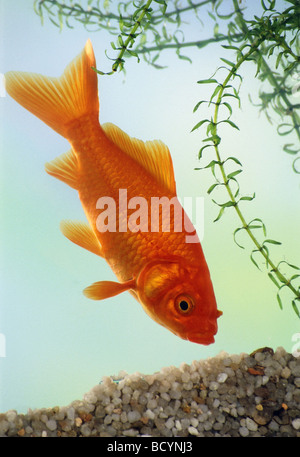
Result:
pixel 201 338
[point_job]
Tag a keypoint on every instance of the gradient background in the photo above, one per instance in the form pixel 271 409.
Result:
pixel 58 343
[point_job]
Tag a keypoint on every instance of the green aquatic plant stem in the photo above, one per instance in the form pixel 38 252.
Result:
pixel 270 74
pixel 235 203
pixel 130 39
pixel 96 12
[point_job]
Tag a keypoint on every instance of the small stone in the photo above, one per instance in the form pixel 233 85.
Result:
pixel 262 417
pixel 194 422
pixel 51 425
pixel 149 414
pixel 21 432
pixel 178 425
pixel 85 430
pixel 131 432
pixel 222 377
pixel 193 431
pixel 285 373
pixel 186 408
pixel 296 423
pixel 78 421
pixel 71 413
pixel 273 426
pixel 170 423
pixel 243 431
pixel 216 403
pixel 295 367
pixel 133 416
pixel 251 425
pixel 4 426
pixel 28 430
pixel 214 385
pixel 297 382
pixel 185 377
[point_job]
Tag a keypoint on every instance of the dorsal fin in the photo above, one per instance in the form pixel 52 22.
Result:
pixel 154 156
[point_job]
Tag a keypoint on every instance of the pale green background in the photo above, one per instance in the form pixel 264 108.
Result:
pixel 58 343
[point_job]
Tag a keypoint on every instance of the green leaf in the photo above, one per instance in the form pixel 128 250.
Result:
pixel 220 214
pixel 287 149
pixel 215 92
pixel 273 279
pixel 202 149
pixel 234 160
pixel 294 166
pixel 228 62
pixel 197 126
pixel 234 173
pixel 182 57
pixel 213 187
pixel 262 225
pixel 289 264
pixel 278 59
pixel 248 198
pixel 226 204
pixel 228 106
pixel 272 242
pixel 234 236
pixel 207 81
pixel 228 121
pixel 235 48
pixel 279 300
pixel 198 104
pixel 252 259
pixel 295 307
pixel 281 129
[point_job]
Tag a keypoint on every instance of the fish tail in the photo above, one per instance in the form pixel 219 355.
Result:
pixel 58 101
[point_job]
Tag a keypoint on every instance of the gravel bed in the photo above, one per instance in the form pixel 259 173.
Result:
pixel 228 395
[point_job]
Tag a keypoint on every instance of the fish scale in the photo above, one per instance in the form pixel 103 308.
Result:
pixel 108 182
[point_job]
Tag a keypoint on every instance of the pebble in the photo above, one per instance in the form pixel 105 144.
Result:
pixel 242 395
pixel 193 431
pixel 296 423
pixel 243 431
pixel 251 425
pixel 51 425
pixel 222 377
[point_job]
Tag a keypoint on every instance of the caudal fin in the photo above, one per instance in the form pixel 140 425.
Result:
pixel 58 101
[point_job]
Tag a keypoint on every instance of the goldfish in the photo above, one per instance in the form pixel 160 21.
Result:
pixel 152 260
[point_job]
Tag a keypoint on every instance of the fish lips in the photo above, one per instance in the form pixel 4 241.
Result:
pixel 201 338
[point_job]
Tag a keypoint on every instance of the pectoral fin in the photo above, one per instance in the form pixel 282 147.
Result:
pixel 105 289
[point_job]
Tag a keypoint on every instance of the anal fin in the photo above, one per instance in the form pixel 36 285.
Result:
pixel 81 234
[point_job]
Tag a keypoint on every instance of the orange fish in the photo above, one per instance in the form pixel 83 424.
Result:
pixel 148 253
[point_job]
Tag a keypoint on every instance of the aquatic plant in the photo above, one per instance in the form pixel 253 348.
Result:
pixel 271 42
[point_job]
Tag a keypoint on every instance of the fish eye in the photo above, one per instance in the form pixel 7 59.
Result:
pixel 184 304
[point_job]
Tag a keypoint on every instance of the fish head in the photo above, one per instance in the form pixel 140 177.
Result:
pixel 181 298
